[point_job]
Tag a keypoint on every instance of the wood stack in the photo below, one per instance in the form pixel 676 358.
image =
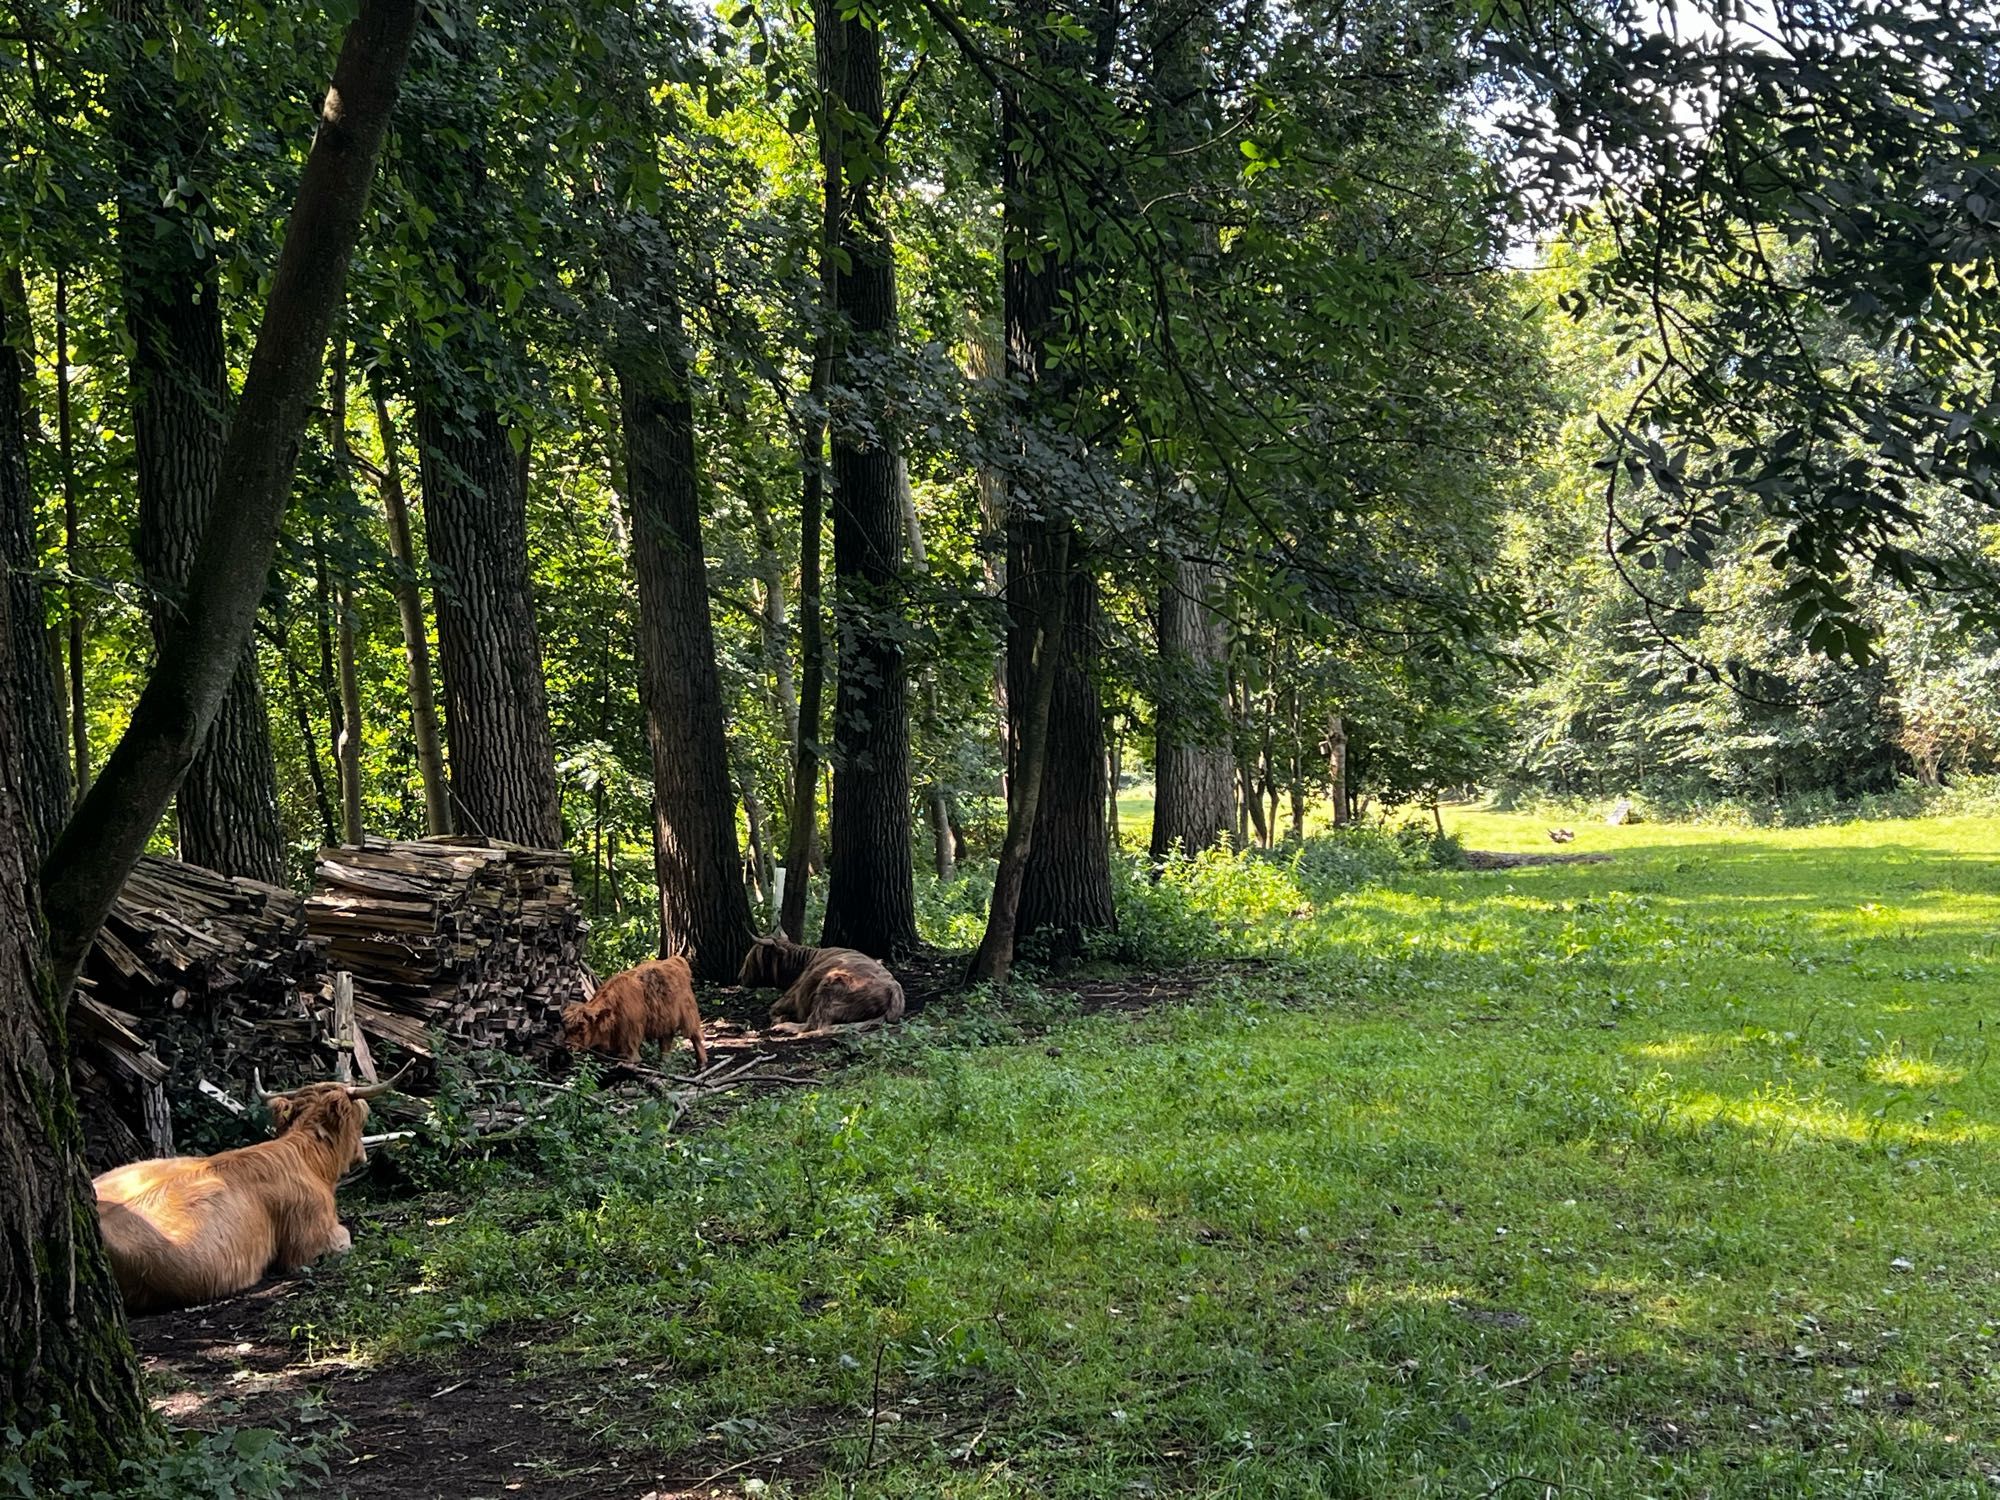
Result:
pixel 193 976
pixel 479 940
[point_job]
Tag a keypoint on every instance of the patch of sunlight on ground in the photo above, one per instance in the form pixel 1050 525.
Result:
pixel 1784 1120
pixel 1912 1073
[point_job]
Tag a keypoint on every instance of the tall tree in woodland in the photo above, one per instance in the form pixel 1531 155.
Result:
pixel 62 1340
pixel 30 681
pixel 1066 884
pixel 503 767
pixel 410 616
pixel 870 898
pixel 1193 766
pixel 704 913
pixel 228 804
pixel 1194 805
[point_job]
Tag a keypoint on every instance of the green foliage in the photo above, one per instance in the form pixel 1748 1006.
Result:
pixel 249 1463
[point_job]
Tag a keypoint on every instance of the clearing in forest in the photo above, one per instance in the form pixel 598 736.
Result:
pixel 1667 1175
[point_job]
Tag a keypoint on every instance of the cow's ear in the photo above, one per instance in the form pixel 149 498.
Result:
pixel 282 1109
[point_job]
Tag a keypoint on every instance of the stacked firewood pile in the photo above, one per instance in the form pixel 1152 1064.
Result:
pixel 194 978
pixel 478 940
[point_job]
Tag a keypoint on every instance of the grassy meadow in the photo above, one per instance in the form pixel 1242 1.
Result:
pixel 1669 1175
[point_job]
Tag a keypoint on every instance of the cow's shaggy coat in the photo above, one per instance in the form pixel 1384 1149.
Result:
pixel 651 1003
pixel 181 1230
pixel 823 986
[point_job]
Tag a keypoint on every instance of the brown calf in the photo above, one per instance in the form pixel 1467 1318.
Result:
pixel 823 986
pixel 186 1229
pixel 651 1003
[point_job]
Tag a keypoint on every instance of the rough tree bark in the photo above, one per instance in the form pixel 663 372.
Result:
pixel 62 1340
pixel 62 1326
pixel 1193 766
pixel 205 639
pixel 1066 884
pixel 31 680
pixel 1336 770
pixel 503 774
pixel 228 802
pixel 871 896
pixel 704 915
pixel 993 962
pixel 410 614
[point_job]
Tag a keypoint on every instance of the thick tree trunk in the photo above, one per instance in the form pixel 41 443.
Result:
pixel 410 614
pixel 32 679
pixel 1194 803
pixel 704 915
pixel 174 713
pixel 62 1328
pixel 1066 889
pixel 870 899
pixel 1039 649
pixel 503 759
pixel 228 801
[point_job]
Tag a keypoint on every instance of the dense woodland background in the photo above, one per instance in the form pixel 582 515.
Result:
pixel 1247 314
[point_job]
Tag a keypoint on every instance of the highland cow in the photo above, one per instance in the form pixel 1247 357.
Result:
pixel 182 1230
pixel 651 1003
pixel 824 987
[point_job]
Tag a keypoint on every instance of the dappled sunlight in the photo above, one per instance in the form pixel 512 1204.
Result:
pixel 1912 1073
pixel 1785 1121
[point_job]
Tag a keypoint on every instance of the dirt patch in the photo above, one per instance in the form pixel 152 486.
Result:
pixel 470 1427
pixel 1488 859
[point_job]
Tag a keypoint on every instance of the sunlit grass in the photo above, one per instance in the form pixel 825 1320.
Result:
pixel 1671 1175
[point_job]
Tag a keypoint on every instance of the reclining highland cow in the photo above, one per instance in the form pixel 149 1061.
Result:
pixel 181 1230
pixel 653 1002
pixel 824 987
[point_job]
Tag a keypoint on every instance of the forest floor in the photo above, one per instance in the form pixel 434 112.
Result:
pixel 1670 1174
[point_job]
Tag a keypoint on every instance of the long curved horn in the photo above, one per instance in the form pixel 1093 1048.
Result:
pixel 377 1090
pixel 257 1087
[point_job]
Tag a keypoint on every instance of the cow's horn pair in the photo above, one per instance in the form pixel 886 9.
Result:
pixel 354 1090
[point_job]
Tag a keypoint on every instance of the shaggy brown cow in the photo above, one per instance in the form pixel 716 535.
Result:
pixel 186 1229
pixel 827 986
pixel 653 1002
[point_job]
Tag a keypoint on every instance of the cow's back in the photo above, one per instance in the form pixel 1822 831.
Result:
pixel 177 1232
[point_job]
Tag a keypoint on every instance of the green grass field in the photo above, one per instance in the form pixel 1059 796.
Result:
pixel 1671 1175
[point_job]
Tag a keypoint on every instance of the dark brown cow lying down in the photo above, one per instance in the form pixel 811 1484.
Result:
pixel 653 1002
pixel 823 986
pixel 186 1229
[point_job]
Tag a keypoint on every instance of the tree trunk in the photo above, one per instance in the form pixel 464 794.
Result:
pixel 79 718
pixel 62 1327
pixel 1066 889
pixel 181 700
pixel 410 614
pixel 1336 770
pixel 802 838
pixel 347 742
pixel 704 915
pixel 760 863
pixel 944 852
pixel 1193 766
pixel 228 801
pixel 32 678
pixel 1042 660
pixel 1112 758
pixel 302 719
pixel 503 760
pixel 777 630
pixel 870 899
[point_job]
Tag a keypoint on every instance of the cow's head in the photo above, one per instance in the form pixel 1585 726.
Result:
pixel 580 1026
pixel 764 965
pixel 330 1114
